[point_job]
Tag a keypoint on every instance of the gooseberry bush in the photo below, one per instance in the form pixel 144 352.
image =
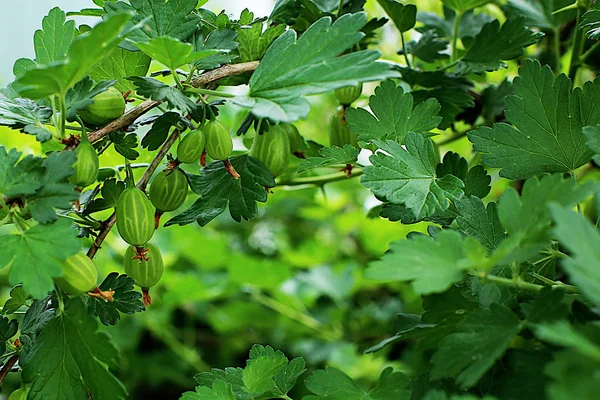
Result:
pixel 482 136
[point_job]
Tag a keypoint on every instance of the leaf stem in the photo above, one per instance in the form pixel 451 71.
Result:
pixel 589 52
pixel 210 92
pixel 569 288
pixel 556 50
pixel 404 51
pixel 340 7
pixel 521 284
pixel 578 43
pixel 176 79
pixel 455 32
pixel 321 179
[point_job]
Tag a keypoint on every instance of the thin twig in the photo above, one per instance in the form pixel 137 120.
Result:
pixel 320 180
pixel 130 116
pixel 7 367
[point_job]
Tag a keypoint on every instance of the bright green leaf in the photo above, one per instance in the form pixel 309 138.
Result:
pixel 432 265
pixel 34 256
pixel 582 239
pixel 408 177
pixel 120 64
pixel 69 359
pixel 547 118
pixel 464 5
pixel 53 40
pixel 495 44
pixel 173 53
pixel 395 115
pixel 312 64
pixel 403 16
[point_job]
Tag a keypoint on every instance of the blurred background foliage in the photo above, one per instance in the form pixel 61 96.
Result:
pixel 291 278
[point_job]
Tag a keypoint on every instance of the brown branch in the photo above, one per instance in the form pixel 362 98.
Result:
pixel 130 116
pixel 7 367
pixel 224 72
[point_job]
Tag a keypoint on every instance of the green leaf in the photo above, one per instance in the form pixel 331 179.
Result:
pixel 8 329
pixel 464 5
pixel 493 99
pixel 548 306
pixel 333 384
pixel 120 64
pixel 591 21
pixel 172 53
pixel 18 299
pixel 23 65
pixel 476 180
pixel 526 218
pixel 55 191
pixel 86 51
pixel 480 340
pixel 469 25
pixel 395 115
pixel 125 144
pixel 562 333
pixel 480 222
pixel 581 238
pixel 26 115
pixel 126 299
pixel 450 91
pixel 52 42
pixel 548 118
pixel 286 378
pixel 19 176
pixel 223 41
pixel 157 135
pixel 592 136
pixel 36 318
pixel 173 18
pixel 292 68
pixel 408 177
pixel 429 48
pixel 261 368
pixel 403 16
pixel 537 13
pixel 495 44
pixel 217 190
pixel 82 93
pixel 253 42
pixel 330 156
pixel 111 190
pixel 158 91
pixel 219 391
pixel 573 377
pixel 431 266
pixel 69 359
pixel 34 256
